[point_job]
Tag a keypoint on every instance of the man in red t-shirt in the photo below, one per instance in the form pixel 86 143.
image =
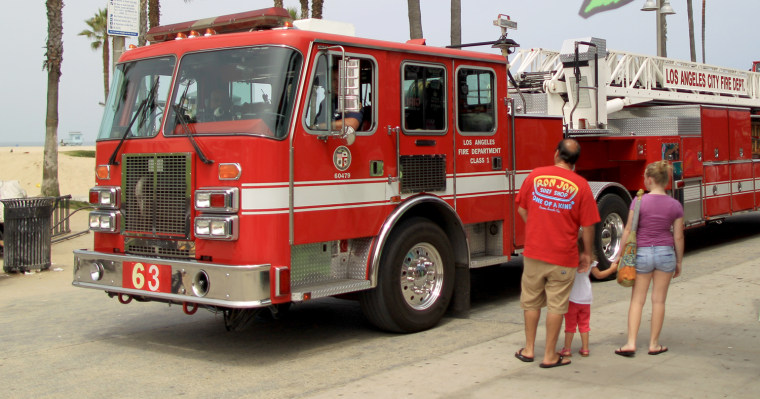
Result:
pixel 554 202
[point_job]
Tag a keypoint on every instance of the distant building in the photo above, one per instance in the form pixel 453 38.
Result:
pixel 75 138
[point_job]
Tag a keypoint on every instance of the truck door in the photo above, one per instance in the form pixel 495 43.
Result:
pixel 424 141
pixel 483 151
pixel 340 189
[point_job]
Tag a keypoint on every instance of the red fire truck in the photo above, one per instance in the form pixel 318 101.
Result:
pixel 244 163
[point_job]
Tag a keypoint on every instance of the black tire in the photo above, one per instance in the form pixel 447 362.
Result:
pixel 609 231
pixel 403 300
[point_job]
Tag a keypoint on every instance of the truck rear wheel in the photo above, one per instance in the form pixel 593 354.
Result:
pixel 415 280
pixel 609 231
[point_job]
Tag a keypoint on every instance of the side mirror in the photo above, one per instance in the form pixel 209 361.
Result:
pixel 348 97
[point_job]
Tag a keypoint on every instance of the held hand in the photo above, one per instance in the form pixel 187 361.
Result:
pixel 585 262
pixel 614 267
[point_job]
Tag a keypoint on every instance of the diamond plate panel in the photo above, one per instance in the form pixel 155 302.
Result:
pixel 323 263
pixel 657 121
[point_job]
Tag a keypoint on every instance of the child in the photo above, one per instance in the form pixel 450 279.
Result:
pixel 579 312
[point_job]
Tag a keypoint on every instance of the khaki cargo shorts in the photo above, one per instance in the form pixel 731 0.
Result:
pixel 544 284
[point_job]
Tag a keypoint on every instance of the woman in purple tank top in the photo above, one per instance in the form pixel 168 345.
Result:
pixel 659 254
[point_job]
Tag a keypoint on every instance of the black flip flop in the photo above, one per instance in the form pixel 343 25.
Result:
pixel 662 349
pixel 558 364
pixel 522 357
pixel 621 352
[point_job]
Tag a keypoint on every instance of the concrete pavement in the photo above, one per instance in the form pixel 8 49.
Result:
pixel 712 329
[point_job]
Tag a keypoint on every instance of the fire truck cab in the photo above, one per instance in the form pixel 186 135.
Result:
pixel 246 164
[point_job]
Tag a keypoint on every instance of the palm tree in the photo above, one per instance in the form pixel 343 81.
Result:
pixel 98 34
pixel 293 12
pixel 143 23
pixel 316 8
pixel 415 19
pixel 154 13
pixel 304 9
pixel 52 63
pixel 456 22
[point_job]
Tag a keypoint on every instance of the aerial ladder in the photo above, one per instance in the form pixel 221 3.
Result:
pixel 585 83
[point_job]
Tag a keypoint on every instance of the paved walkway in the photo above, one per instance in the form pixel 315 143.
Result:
pixel 712 328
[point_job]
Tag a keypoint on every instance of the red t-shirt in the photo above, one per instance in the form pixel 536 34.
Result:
pixel 558 202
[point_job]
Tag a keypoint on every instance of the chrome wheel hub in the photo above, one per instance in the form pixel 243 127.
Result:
pixel 421 276
pixel 612 235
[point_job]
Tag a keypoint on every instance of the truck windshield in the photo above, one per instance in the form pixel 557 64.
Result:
pixel 139 91
pixel 237 91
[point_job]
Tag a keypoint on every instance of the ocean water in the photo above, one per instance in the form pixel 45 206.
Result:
pixel 35 143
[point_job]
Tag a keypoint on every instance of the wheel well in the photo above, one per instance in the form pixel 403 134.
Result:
pixel 618 190
pixel 431 208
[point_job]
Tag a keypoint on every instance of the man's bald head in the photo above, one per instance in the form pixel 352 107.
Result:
pixel 569 150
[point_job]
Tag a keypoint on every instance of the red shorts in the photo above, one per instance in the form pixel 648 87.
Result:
pixel 578 315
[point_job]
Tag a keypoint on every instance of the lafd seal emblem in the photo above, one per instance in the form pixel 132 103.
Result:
pixel 342 158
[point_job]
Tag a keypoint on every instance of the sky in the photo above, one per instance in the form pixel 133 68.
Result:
pixel 541 23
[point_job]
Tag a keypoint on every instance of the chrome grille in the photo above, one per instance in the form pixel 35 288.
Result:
pixel 156 195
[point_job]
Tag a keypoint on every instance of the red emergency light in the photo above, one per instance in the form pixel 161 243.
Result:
pixel 266 18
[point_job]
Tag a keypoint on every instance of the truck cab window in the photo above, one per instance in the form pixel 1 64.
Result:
pixel 138 96
pixel 322 115
pixel 476 111
pixel 238 91
pixel 424 98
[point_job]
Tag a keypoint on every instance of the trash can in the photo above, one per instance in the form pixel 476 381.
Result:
pixel 27 233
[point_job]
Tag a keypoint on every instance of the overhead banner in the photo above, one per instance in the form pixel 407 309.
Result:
pixel 591 7
pixel 123 17
pixel 678 77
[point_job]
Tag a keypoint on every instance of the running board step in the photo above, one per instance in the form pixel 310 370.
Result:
pixel 488 260
pixel 329 288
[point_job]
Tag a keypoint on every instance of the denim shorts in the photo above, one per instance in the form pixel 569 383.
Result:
pixel 649 259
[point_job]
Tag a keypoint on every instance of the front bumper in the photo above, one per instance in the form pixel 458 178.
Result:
pixel 239 286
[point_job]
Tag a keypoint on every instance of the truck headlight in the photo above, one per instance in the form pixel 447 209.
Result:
pixel 217 227
pixel 105 197
pixel 105 221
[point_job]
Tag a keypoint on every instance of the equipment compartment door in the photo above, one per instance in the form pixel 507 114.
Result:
pixel 715 134
pixel 740 152
pixel 742 187
pixel 717 190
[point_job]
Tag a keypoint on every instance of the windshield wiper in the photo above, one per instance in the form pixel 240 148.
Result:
pixel 143 104
pixel 186 129
pixel 180 116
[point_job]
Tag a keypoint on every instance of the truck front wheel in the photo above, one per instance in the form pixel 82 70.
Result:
pixel 415 280
pixel 609 231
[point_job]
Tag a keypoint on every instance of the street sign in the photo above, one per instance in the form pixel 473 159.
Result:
pixel 123 17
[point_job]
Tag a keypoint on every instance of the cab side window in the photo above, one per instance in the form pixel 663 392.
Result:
pixel 476 111
pixel 424 98
pixel 322 109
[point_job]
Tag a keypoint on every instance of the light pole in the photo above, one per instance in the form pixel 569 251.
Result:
pixel 663 8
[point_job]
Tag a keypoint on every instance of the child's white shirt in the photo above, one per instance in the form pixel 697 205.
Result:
pixel 581 292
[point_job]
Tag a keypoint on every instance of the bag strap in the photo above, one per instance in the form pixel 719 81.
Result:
pixel 636 211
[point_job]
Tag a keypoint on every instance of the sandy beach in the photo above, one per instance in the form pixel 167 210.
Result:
pixel 76 175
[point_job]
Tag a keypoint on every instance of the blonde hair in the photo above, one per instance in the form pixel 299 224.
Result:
pixel 659 171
